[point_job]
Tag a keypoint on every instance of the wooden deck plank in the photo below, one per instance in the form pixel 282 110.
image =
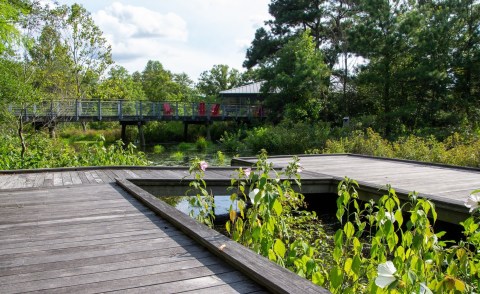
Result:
pixel 96 177
pixel 130 261
pixel 48 182
pixel 66 178
pixel 83 177
pixel 230 282
pixel 103 176
pixel 126 254
pixel 63 239
pixel 131 174
pixel 75 178
pixel 39 180
pixel 57 179
pixel 141 281
pixel 89 176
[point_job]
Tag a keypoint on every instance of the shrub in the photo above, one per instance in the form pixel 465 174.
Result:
pixel 158 149
pixel 201 144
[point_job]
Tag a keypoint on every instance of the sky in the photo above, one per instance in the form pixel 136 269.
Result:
pixel 188 36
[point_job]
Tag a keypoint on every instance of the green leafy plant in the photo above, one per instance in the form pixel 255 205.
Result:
pixel 202 203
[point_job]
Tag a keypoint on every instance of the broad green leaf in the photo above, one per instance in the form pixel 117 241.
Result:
pixel 318 279
pixel 349 230
pixel 336 277
pixel 277 207
pixel 279 248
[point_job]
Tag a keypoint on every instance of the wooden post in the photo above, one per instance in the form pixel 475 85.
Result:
pixel 141 135
pixel 124 133
pixel 51 130
pixel 209 137
pixel 185 130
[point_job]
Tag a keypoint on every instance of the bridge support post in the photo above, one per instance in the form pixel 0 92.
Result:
pixel 51 130
pixel 185 131
pixel 209 126
pixel 141 135
pixel 124 133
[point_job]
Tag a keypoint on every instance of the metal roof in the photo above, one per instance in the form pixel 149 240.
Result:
pixel 253 88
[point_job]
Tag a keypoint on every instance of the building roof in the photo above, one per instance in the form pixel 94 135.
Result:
pixel 250 89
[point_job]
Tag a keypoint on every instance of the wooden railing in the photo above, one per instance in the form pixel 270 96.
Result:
pixel 124 110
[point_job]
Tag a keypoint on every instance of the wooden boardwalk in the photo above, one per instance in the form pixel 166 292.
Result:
pixel 447 186
pixel 90 231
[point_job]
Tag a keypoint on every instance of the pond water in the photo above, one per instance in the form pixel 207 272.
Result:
pixel 183 154
pixel 323 204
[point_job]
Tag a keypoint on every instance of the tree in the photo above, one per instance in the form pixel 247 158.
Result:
pixel 119 85
pixel 220 77
pixel 11 11
pixel 298 77
pixel 158 82
pixel 87 48
pixel 381 37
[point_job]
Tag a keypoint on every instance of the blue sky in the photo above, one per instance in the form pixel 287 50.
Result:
pixel 184 35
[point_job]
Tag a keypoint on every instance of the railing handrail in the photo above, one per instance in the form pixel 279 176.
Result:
pixel 139 109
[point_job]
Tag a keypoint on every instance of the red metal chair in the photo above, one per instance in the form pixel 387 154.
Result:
pixel 215 110
pixel 201 109
pixel 167 110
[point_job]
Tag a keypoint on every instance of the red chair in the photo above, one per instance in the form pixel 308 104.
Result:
pixel 215 110
pixel 201 109
pixel 167 110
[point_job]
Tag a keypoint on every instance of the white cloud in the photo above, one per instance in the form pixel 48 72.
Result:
pixel 184 35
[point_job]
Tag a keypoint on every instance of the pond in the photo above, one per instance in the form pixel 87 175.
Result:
pixel 182 154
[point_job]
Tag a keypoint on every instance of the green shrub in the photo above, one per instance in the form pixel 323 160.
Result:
pixel 201 144
pixel 158 149
pixel 184 146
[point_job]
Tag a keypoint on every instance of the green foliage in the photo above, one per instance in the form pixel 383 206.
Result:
pixel 46 153
pixel 217 79
pixel 296 78
pixel 382 247
pixel 286 137
pixel 160 84
pixel 220 157
pixel 201 144
pixel 178 156
pixel 202 201
pixel 454 150
pixel 119 85
pixel 231 141
pixel 158 149
pixel 10 14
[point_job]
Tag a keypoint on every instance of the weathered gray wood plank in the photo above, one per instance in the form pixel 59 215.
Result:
pixel 145 280
pixel 126 261
pixel 75 178
pixel 57 179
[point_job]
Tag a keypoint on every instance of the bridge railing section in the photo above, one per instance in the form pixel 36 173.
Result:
pixel 133 110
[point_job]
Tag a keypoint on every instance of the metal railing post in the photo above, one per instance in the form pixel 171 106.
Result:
pixel 99 110
pixel 77 114
pixel 120 109
pixel 193 110
pixel 141 114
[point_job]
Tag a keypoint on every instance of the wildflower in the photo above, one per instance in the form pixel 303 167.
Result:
pixel 252 195
pixel 299 168
pixel 203 165
pixel 386 273
pixel 472 202
pixel 247 172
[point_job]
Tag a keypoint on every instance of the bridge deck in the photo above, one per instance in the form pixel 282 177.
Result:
pixel 77 231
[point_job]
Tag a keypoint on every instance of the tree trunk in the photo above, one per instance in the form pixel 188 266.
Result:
pixel 22 138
